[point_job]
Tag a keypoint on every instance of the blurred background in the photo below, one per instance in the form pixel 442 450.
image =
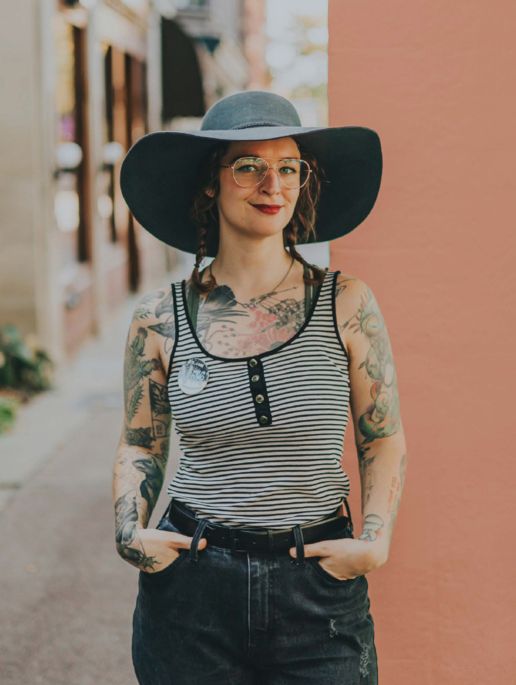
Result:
pixel 82 80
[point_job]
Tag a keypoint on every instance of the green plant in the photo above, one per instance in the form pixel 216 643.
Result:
pixel 23 365
pixel 8 409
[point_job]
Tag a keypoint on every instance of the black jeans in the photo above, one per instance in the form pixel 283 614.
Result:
pixel 228 617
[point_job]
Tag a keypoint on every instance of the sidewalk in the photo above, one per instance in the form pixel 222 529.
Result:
pixel 67 597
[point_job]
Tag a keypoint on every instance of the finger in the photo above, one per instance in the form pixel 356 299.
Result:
pixel 180 541
pixel 322 548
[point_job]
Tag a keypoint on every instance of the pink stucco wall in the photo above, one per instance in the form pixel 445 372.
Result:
pixel 437 81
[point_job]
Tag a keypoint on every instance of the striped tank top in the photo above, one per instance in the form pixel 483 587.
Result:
pixel 261 443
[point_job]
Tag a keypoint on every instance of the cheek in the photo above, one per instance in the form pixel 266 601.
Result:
pixel 233 205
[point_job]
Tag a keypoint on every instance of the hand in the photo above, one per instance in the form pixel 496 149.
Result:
pixel 159 548
pixel 345 558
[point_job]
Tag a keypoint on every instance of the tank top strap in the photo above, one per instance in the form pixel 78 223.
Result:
pixel 324 297
pixel 182 329
pixel 309 291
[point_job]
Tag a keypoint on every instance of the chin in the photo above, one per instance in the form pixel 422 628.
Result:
pixel 272 230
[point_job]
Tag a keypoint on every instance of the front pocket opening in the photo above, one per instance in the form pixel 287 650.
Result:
pixel 314 562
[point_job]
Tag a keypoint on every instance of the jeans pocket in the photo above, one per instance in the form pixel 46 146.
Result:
pixel 323 573
pixel 165 524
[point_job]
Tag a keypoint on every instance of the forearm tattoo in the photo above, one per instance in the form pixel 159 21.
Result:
pixel 139 472
pixel 372 524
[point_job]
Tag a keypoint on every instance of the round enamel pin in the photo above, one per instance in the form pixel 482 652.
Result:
pixel 193 376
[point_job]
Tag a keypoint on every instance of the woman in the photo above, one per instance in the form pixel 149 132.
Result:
pixel 253 574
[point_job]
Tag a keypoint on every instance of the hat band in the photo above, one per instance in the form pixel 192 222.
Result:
pixel 257 124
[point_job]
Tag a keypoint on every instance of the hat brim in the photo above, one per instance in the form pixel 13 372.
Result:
pixel 158 177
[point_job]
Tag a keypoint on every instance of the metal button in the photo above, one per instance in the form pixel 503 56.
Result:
pixel 259 398
pixel 255 378
pixel 253 362
pixel 264 418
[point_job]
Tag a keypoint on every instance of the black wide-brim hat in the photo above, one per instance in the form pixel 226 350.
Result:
pixel 159 173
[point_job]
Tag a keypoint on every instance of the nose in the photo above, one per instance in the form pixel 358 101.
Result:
pixel 271 182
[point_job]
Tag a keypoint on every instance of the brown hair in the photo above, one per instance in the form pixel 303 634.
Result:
pixel 204 213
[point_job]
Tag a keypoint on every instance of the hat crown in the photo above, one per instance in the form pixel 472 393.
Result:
pixel 248 109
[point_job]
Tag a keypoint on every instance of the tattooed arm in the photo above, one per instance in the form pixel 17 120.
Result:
pixel 142 452
pixel 379 435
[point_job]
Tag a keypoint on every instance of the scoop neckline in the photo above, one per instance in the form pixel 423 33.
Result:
pixel 266 353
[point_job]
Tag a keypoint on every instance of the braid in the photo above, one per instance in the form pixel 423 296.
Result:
pixel 199 256
pixel 290 238
pixel 204 214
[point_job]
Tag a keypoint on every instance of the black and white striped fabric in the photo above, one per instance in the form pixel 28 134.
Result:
pixel 241 469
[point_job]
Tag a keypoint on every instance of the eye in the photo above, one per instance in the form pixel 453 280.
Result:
pixel 290 166
pixel 248 164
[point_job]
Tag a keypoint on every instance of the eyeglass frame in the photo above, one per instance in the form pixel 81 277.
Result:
pixel 265 159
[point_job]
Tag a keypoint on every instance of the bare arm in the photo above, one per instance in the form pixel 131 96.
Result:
pixel 379 435
pixel 142 452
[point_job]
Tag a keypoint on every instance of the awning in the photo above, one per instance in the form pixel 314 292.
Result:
pixel 182 88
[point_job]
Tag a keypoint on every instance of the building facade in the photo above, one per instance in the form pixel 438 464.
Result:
pixel 83 80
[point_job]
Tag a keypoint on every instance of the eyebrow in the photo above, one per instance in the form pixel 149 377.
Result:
pixel 253 154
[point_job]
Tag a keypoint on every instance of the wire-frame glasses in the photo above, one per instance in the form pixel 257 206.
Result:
pixel 250 171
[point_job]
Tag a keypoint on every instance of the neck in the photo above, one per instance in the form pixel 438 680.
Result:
pixel 249 273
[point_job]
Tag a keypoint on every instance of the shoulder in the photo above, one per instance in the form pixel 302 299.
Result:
pixel 349 290
pixel 153 320
pixel 153 306
pixel 355 304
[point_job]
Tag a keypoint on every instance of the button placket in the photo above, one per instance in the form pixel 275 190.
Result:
pixel 259 391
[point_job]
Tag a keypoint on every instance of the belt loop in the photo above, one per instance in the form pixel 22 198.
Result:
pixel 270 540
pixel 196 537
pixel 349 514
pixel 300 552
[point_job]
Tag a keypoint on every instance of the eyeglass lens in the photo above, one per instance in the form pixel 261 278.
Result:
pixel 249 171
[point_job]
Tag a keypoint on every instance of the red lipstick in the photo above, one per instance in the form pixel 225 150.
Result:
pixel 268 209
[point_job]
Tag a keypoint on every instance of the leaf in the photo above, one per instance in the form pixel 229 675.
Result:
pixel 166 329
pixel 134 402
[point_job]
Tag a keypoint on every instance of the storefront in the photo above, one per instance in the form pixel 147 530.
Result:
pixel 101 68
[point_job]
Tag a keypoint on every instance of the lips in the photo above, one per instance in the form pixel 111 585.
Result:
pixel 268 209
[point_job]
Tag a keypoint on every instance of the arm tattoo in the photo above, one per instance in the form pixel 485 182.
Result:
pixel 136 368
pixel 165 311
pixel 395 494
pixel 382 416
pixel 372 524
pixel 141 472
pixel 126 532
pixel 367 478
